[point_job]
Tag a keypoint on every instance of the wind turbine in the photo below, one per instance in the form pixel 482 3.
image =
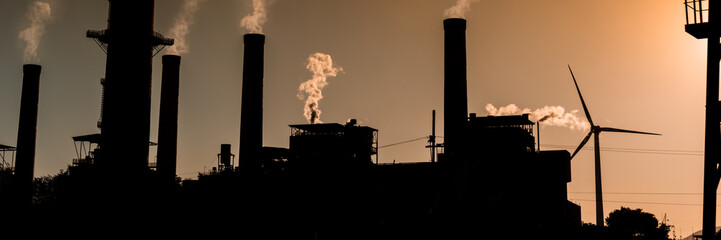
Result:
pixel 596 131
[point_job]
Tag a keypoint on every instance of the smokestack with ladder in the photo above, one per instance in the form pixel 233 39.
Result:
pixel 27 131
pixel 455 93
pixel 168 122
pixel 130 44
pixel 251 109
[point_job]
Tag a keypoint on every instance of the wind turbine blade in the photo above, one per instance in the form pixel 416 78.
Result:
pixel 607 129
pixel 585 140
pixel 585 109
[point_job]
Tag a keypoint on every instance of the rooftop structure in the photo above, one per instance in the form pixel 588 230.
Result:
pixel 333 141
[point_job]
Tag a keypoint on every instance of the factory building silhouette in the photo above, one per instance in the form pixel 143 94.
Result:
pixel 489 179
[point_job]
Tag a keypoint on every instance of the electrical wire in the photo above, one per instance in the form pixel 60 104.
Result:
pixel 403 142
pixel 631 202
pixel 646 193
pixel 632 150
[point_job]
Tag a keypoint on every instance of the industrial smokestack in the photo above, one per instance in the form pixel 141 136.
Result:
pixel 129 42
pixel 168 122
pixel 251 109
pixel 455 86
pixel 27 129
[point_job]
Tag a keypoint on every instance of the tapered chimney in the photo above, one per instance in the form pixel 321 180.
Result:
pixel 455 92
pixel 27 129
pixel 129 43
pixel 168 120
pixel 251 109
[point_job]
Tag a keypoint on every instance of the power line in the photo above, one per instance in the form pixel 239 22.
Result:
pixel 633 150
pixel 407 141
pixel 629 149
pixel 645 193
pixel 630 202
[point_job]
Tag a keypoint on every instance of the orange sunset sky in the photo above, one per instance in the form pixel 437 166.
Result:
pixel 634 63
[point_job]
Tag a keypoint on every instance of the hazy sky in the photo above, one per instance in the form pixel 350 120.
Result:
pixel 636 66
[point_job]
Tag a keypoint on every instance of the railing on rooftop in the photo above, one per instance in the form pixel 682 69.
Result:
pixel 83 161
pixel 695 11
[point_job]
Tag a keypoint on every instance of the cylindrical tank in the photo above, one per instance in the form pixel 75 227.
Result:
pixel 225 155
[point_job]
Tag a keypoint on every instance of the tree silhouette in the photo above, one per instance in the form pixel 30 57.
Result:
pixel 634 224
pixel 47 188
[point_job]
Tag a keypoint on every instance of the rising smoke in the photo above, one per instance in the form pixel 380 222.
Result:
pixel 548 115
pixel 459 10
pixel 38 13
pixel 321 65
pixel 253 23
pixel 182 26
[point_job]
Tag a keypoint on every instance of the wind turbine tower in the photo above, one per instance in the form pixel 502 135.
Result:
pixel 596 131
pixel 702 20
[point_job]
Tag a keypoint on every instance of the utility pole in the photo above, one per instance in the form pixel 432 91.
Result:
pixel 701 27
pixel 432 138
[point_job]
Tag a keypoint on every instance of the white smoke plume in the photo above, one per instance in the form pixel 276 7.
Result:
pixel 182 26
pixel 38 13
pixel 321 65
pixel 253 23
pixel 459 10
pixel 548 115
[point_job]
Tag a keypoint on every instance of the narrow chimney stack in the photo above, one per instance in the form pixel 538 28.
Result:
pixel 455 85
pixel 27 131
pixel 251 118
pixel 168 120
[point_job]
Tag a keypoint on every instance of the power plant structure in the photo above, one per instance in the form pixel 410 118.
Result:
pixel 328 184
pixel 701 21
pixel 17 178
pixel 168 120
pixel 251 108
pixel 130 44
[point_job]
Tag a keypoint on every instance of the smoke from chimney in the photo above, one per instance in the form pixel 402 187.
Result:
pixel 38 13
pixel 253 23
pixel 547 115
pixel 182 26
pixel 322 67
pixel 459 10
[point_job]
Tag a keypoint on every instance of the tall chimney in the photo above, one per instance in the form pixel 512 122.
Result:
pixel 125 131
pixel 27 129
pixel 251 109
pixel 168 122
pixel 455 94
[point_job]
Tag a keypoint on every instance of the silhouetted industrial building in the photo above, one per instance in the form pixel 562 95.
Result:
pixel 130 44
pixel 7 169
pixel 323 144
pixel 489 179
